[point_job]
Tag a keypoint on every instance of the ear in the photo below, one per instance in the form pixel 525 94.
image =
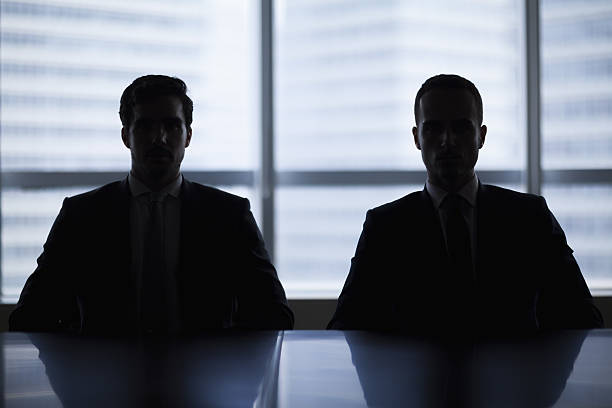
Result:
pixel 188 139
pixel 483 134
pixel 415 134
pixel 124 137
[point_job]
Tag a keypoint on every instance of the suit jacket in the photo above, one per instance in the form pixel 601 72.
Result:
pixel 84 283
pixel 526 277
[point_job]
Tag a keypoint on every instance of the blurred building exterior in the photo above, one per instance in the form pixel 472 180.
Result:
pixel 346 73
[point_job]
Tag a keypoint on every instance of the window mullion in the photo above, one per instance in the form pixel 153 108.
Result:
pixel 267 179
pixel 532 45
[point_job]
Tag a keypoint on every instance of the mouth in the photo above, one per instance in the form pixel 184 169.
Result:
pixel 159 154
pixel 448 157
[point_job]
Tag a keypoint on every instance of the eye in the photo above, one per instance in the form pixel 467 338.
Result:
pixel 432 128
pixel 143 125
pixel 462 126
pixel 173 124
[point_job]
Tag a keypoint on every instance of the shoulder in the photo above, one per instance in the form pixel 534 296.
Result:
pixel 509 198
pixel 93 206
pixel 401 205
pixel 393 214
pixel 515 208
pixel 107 192
pixel 212 196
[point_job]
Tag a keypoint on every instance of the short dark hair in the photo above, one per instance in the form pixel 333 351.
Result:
pixel 448 81
pixel 151 86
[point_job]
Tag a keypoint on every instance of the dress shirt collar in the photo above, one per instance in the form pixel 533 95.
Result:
pixel 469 192
pixel 138 188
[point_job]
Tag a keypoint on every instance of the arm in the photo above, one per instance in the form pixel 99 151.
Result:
pixel 261 302
pixel 363 303
pixel 565 301
pixel 46 302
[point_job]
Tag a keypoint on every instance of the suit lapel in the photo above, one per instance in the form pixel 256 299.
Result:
pixel 119 223
pixel 486 220
pixel 433 240
pixel 189 229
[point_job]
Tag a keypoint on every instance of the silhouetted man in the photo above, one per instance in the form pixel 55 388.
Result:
pixel 153 253
pixel 461 255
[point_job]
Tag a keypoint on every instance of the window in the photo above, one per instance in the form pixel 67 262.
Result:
pixel 345 73
pixel 64 66
pixel 577 128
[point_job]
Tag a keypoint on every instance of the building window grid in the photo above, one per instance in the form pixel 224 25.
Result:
pixel 269 180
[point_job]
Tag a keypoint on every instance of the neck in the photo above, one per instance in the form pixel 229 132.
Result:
pixel 156 182
pixel 452 185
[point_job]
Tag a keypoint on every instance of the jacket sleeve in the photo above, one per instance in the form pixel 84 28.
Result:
pixel 564 301
pixel 46 302
pixel 364 301
pixel 261 301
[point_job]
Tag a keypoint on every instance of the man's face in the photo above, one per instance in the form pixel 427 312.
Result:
pixel 157 138
pixel 449 136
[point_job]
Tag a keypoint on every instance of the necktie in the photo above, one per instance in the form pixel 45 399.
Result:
pixel 153 294
pixel 458 243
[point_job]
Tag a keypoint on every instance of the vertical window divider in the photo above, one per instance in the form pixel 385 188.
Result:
pixel 266 177
pixel 1 226
pixel 532 48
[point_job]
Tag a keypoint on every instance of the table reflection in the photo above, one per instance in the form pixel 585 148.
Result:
pixel 235 369
pixel 309 369
pixel 510 372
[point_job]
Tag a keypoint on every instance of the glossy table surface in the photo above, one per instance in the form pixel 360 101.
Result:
pixel 309 369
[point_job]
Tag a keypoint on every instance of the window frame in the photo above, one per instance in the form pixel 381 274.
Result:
pixel 267 179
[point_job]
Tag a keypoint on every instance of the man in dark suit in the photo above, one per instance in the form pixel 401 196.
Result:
pixel 153 253
pixel 461 255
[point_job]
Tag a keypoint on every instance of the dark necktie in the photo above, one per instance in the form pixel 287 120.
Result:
pixel 458 241
pixel 463 314
pixel 153 295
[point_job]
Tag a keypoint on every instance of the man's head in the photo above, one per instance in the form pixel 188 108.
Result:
pixel 449 130
pixel 156 114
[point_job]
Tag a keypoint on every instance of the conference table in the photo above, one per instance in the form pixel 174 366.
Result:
pixel 308 369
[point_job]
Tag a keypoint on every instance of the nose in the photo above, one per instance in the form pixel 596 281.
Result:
pixel 447 137
pixel 160 136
